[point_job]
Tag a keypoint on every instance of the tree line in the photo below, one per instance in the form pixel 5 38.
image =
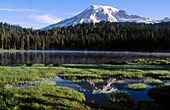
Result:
pixel 88 36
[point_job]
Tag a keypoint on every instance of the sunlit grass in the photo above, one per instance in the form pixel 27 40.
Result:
pixel 17 74
pixel 137 86
pixel 48 97
pixel 153 81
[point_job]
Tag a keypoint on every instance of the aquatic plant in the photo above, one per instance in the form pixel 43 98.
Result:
pixel 153 81
pixel 121 98
pixel 137 86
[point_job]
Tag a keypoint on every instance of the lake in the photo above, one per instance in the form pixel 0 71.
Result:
pixel 94 92
pixel 75 57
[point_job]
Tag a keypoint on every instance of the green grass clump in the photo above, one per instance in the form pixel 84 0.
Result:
pixel 45 97
pixel 153 61
pixel 121 98
pixel 7 100
pixel 137 86
pixel 95 80
pixel 153 81
pixel 120 82
pixel 24 74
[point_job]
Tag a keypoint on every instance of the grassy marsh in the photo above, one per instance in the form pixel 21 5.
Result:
pixel 33 98
pixel 18 74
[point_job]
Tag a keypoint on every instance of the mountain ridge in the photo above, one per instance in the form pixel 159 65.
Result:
pixel 97 13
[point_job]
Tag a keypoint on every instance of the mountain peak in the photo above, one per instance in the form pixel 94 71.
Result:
pixel 97 13
pixel 97 7
pixel 166 19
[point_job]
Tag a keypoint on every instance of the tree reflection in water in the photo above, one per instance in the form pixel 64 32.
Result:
pixel 74 57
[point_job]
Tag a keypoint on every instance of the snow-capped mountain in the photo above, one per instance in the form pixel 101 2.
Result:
pixel 166 19
pixel 97 13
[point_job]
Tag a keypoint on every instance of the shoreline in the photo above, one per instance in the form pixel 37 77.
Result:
pixel 89 52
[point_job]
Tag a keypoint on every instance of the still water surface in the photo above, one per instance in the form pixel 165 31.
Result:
pixel 74 57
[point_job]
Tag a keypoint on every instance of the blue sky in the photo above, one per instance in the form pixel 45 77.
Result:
pixel 41 13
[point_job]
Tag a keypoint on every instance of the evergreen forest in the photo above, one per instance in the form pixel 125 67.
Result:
pixel 105 36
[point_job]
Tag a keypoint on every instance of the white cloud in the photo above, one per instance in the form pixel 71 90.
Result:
pixel 47 18
pixel 20 10
pixel 68 13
